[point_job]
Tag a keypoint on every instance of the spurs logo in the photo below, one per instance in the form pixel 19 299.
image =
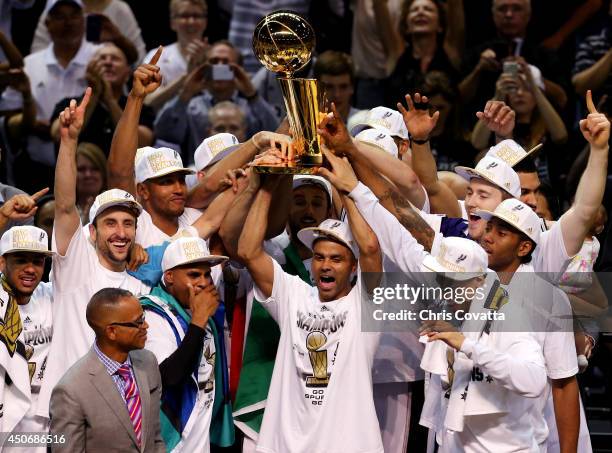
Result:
pixel 518 207
pixel 387 114
pixel 460 258
pixel 491 165
pixel 380 137
pixel 127 195
pixel 335 225
pixel 41 237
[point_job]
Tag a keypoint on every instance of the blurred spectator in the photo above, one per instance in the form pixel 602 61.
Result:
pixel 511 18
pixel 115 18
pixel 547 203
pixel 189 19
pixel 227 117
pixel 247 13
pixel 54 73
pixel 447 140
pixel 593 62
pixel 45 215
pixel 536 119
pixel 428 39
pixel 6 7
pixel 372 49
pixel 91 177
pixel 107 74
pixel 335 72
pixel 184 119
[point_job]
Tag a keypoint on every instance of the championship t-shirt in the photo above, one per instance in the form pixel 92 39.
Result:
pixel 148 234
pixel 322 372
pixel 161 342
pixel 76 277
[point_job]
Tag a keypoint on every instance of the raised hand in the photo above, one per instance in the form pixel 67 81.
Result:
pixel 138 257
pixel 342 175
pixel 196 53
pixel 234 179
pixel 334 132
pixel 265 139
pixel 453 339
pixel 203 303
pixel 418 122
pixel 21 206
pixel 596 127
pixel 243 81
pixel 498 118
pixel 147 78
pixel 72 118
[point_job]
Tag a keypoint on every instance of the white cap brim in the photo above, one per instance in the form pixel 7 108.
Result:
pixel 125 204
pixel 487 215
pixel 212 260
pixel 221 154
pixel 169 171
pixel 309 235
pixel 468 173
pixel 432 264
pixel 26 250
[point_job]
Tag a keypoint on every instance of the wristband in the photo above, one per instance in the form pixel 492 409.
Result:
pixel 419 142
pixel 251 97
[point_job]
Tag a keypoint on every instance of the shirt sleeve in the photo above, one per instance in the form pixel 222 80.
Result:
pixel 285 289
pixel 550 256
pixel 395 241
pixel 75 266
pixel 519 367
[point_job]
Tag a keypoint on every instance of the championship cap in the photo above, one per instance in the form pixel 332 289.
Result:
pixel 330 228
pixel 113 197
pixel 384 119
pixel 313 180
pixel 517 214
pixel 379 139
pixel 155 162
pixel 213 149
pixel 458 259
pixel 496 172
pixel 25 238
pixel 188 250
pixel 511 152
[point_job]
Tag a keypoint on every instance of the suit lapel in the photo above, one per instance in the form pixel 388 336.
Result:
pixel 145 396
pixel 109 391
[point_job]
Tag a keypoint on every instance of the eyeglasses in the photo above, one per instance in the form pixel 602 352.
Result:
pixel 135 324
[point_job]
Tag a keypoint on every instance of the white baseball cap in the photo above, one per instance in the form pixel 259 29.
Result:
pixel 517 214
pixel 25 238
pixel 155 162
pixel 110 198
pixel 384 119
pixel 378 139
pixel 53 3
pixel 188 250
pixel 496 172
pixel 313 180
pixel 511 152
pixel 330 228
pixel 458 259
pixel 213 149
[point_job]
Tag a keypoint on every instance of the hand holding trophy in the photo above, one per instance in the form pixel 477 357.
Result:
pixel 283 42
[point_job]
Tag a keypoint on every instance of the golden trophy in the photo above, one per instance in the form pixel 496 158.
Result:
pixel 283 42
pixel 318 359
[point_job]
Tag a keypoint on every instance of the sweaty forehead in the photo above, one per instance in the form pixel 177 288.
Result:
pixel 328 247
pixel 482 185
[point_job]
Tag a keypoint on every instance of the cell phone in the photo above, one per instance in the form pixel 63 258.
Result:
pixel 94 28
pixel 511 68
pixel 222 72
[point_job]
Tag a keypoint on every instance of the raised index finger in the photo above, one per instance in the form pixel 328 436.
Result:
pixel 156 55
pixel 589 102
pixel 40 193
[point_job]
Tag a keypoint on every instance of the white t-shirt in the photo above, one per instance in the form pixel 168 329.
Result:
pixel 76 277
pixel 161 342
pixel 37 321
pixel 148 234
pixel 550 256
pixel 120 14
pixel 320 396
pixel 172 64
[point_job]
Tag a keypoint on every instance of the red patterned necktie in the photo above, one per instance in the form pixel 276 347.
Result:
pixel 132 400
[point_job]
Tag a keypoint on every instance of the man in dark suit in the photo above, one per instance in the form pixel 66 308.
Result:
pixel 109 399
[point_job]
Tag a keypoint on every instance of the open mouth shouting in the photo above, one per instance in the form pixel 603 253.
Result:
pixel 120 246
pixel 308 221
pixel 28 281
pixel 326 282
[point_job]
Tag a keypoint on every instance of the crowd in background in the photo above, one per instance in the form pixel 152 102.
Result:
pixel 486 71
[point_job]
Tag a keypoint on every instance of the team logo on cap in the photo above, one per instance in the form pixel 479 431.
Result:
pixel 23 240
pixel 158 163
pixel 518 207
pixel 192 250
pixel 335 225
pixel 380 137
pixel 508 155
pixel 461 257
pixel 387 114
pixel 491 165
pixel 216 146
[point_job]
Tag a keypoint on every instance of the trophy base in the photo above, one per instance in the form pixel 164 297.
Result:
pixel 312 381
pixel 288 168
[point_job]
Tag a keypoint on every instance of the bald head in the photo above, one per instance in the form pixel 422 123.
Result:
pixel 104 307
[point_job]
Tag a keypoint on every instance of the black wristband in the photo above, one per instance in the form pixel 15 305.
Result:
pixel 251 97
pixel 419 142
